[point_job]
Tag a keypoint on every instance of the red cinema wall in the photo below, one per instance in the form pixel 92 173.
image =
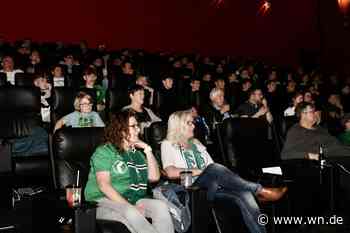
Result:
pixel 183 25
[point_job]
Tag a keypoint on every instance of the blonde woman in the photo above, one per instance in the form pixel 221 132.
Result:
pixel 83 116
pixel 181 151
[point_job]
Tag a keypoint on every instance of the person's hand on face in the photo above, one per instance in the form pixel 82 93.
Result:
pixel 262 111
pixel 225 108
pixel 264 102
pixel 312 156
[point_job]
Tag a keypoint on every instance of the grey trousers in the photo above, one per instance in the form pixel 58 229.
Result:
pixel 133 219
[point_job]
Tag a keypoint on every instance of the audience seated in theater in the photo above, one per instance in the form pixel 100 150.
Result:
pixel 21 56
pixel 144 116
pixel 83 116
pixel 290 90
pixel 120 171
pixel 168 101
pixel 35 65
pixel 345 97
pixel 247 85
pixel 181 151
pixel 143 81
pixel 233 90
pixel 334 107
pixel 40 80
pixel 217 110
pixel 192 95
pixel 304 138
pixel 57 77
pixel 69 61
pixel 220 83
pixel 244 74
pixel 251 73
pixel 274 98
pixel 8 67
pixel 345 136
pixel 297 98
pixel 255 107
pixel 206 84
pixel 127 77
pixel 98 93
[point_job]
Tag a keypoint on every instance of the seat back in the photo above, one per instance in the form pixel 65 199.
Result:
pixel 63 102
pixel 24 80
pixel 116 99
pixel 72 149
pixel 3 79
pixel 154 135
pixel 286 123
pixel 20 114
pixel 20 110
pixel 244 142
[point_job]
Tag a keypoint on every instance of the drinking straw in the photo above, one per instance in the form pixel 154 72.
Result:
pixel 78 178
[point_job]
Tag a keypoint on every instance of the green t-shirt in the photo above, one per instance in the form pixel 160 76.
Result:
pixel 193 157
pixel 100 93
pixel 128 172
pixel 345 138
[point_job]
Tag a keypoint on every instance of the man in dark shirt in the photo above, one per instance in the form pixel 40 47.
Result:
pixel 166 98
pixel 192 96
pixel 255 107
pixel 303 139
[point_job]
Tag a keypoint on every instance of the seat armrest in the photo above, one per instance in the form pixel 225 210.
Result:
pixel 200 209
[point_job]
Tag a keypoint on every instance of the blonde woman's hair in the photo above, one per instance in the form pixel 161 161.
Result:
pixel 81 95
pixel 176 125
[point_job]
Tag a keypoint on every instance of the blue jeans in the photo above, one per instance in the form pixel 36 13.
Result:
pixel 224 184
pixel 33 144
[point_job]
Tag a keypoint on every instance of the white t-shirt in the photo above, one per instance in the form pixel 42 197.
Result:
pixel 172 156
pixel 11 75
pixel 289 111
pixel 58 81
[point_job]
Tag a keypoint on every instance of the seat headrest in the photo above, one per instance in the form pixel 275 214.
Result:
pixel 117 99
pixel 156 133
pixel 3 79
pixel 20 99
pixel 17 125
pixel 24 80
pixel 63 99
pixel 76 144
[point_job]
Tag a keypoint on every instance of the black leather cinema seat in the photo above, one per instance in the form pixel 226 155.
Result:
pixel 20 113
pixel 244 143
pixel 62 102
pixel 71 151
pixel 24 80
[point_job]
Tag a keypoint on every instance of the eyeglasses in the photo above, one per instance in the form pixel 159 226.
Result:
pixel 134 126
pixel 309 111
pixel 86 104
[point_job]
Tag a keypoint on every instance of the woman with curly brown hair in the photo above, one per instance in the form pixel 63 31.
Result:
pixel 119 173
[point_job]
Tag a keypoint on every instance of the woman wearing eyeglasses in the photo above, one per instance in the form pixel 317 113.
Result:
pixel 181 151
pixel 120 171
pixel 83 116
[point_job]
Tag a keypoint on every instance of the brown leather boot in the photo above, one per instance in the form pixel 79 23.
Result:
pixel 271 194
